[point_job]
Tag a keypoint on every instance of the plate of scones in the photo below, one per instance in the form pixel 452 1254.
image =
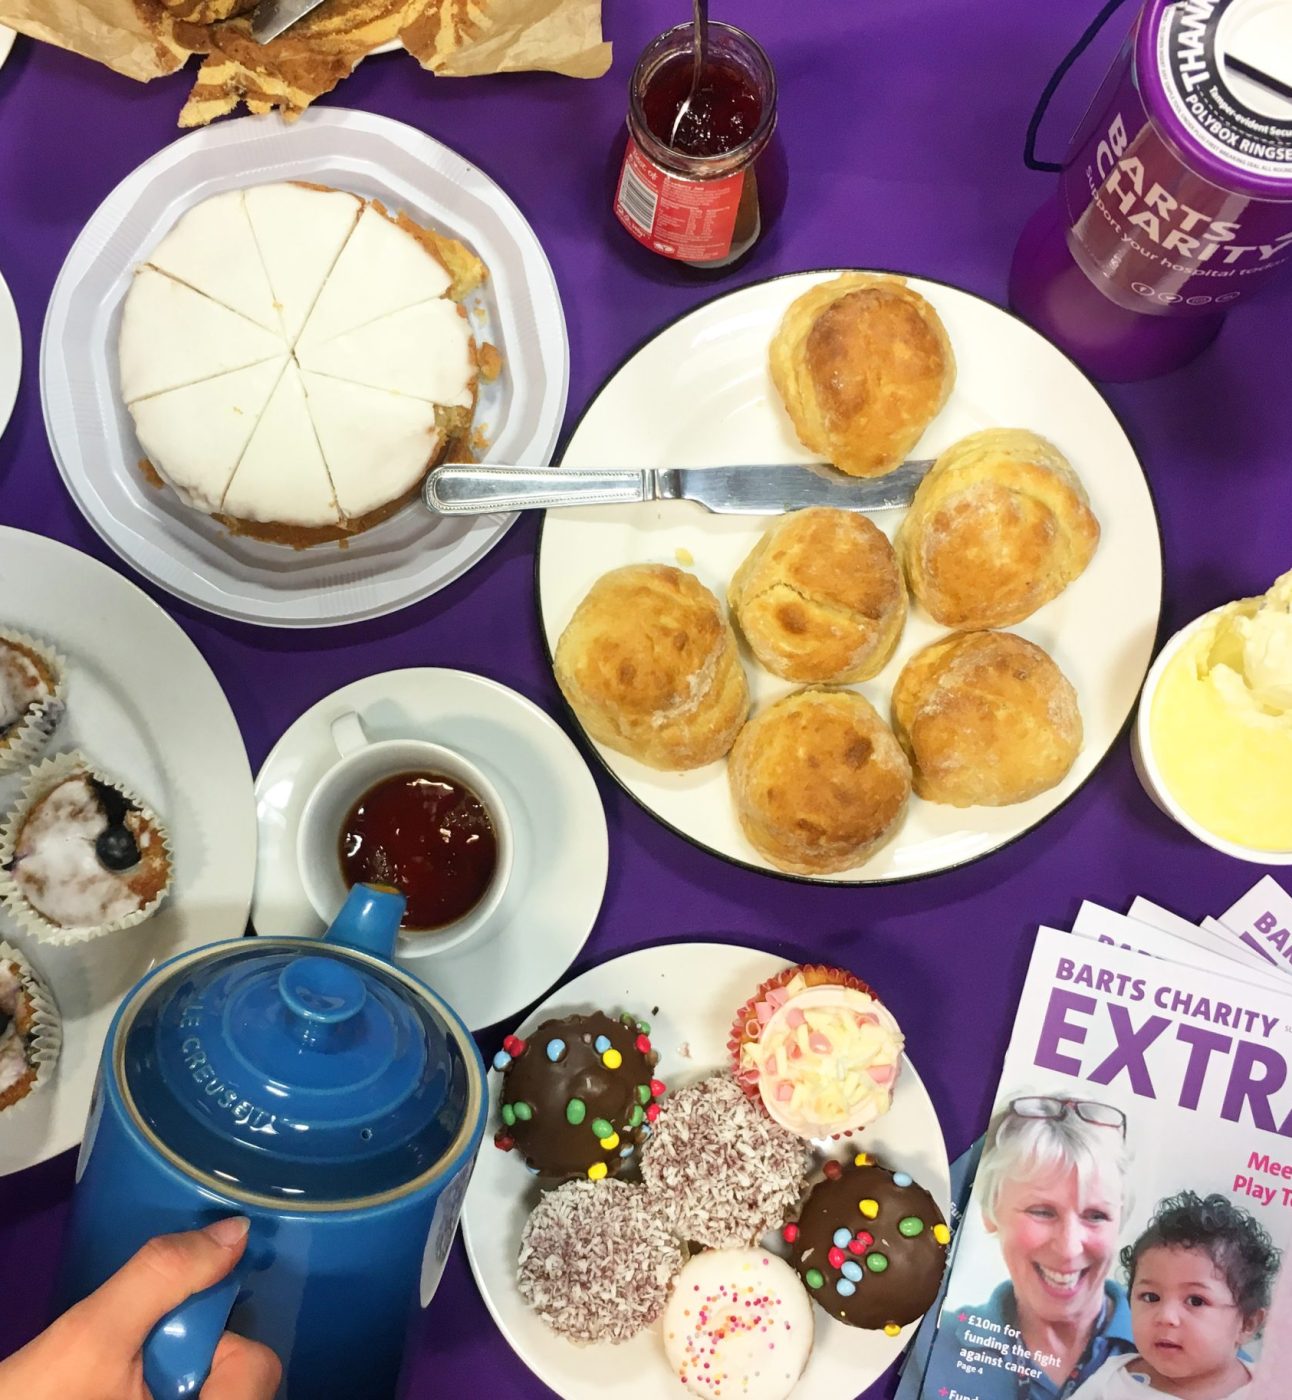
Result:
pixel 835 696
pixel 267 335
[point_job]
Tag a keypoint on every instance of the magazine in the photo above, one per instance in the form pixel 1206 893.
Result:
pixel 1136 1175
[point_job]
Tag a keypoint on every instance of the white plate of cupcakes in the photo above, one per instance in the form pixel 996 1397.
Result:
pixel 713 1173
pixel 263 339
pixel 127 824
pixel 841 697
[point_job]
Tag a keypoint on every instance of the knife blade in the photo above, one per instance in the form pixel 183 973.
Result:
pixel 272 17
pixel 466 489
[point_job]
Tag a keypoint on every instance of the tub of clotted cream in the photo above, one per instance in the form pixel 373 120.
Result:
pixel 1214 730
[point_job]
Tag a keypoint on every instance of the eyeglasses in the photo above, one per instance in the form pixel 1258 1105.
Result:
pixel 1101 1115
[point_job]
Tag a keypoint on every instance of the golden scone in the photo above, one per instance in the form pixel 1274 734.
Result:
pixel 819 781
pixel 651 667
pixel 999 527
pixel 863 365
pixel 986 719
pixel 820 597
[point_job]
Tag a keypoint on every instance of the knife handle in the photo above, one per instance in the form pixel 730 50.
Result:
pixel 482 490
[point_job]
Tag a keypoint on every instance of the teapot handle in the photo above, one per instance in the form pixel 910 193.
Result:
pixel 180 1348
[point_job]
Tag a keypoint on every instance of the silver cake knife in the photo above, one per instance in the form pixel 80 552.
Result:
pixel 744 490
pixel 274 17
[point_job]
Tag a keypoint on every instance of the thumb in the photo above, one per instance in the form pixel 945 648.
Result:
pixel 166 1271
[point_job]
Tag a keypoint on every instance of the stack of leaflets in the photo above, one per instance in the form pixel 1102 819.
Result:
pixel 1119 1227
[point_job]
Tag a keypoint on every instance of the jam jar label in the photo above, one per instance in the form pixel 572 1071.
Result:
pixel 691 220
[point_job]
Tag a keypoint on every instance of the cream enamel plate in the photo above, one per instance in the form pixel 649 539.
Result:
pixel 559 875
pixel 699 393
pixel 144 705
pixel 7 36
pixel 407 557
pixel 697 988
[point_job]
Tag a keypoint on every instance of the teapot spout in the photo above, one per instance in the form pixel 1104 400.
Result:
pixel 369 920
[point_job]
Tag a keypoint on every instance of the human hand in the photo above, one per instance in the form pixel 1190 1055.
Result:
pixel 94 1351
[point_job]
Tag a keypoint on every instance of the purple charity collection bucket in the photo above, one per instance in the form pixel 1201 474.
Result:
pixel 1175 199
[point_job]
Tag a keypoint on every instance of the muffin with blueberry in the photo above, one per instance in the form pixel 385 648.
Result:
pixel 81 854
pixel 31 697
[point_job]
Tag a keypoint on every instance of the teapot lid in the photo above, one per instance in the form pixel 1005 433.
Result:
pixel 301 1073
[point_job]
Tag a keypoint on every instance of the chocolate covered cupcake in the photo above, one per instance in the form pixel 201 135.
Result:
pixel 578 1095
pixel 870 1245
pixel 81 855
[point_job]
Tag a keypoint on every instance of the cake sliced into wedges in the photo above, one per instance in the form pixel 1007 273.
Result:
pixel 426 351
pixel 380 270
pixel 282 483
pixel 300 232
pixel 377 445
pixel 172 336
pixel 200 465
pixel 324 424
pixel 213 249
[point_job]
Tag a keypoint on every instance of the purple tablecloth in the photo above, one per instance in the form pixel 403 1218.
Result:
pixel 902 123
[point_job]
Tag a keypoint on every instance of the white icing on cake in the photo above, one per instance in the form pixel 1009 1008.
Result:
pixel 377 445
pixel 738 1324
pixel 21 685
pixel 200 465
pixel 282 475
pixel 382 269
pixel 213 249
pixel 55 865
pixel 219 403
pixel 423 351
pixel 172 335
pixel 300 233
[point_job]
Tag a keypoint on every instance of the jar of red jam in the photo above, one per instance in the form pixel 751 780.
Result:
pixel 692 194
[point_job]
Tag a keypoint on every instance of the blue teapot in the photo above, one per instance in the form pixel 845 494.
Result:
pixel 316 1088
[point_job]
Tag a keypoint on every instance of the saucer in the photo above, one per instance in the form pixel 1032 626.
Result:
pixel 559 876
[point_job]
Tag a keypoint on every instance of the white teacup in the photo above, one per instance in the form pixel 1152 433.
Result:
pixel 364 763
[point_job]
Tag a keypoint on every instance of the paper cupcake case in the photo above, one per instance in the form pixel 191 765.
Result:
pixel 752 1018
pixel 46 1038
pixel 43 778
pixel 22 745
pixel 747 1024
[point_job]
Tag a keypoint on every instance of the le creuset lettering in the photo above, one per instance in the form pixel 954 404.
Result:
pixel 316 1088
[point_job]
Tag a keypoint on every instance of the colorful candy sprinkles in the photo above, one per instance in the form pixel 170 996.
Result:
pixel 738 1324
pixel 571 1085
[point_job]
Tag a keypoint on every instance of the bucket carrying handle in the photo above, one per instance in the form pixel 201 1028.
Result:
pixel 1061 72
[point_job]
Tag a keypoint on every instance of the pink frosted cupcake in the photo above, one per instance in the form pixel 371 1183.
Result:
pixel 819 1050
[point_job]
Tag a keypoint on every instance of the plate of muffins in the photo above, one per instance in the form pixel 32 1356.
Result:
pixel 122 841
pixel 712 1173
pixel 831 695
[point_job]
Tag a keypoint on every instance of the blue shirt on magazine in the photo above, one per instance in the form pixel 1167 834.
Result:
pixel 945 1379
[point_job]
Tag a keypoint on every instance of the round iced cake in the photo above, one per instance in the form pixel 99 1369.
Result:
pixel 295 358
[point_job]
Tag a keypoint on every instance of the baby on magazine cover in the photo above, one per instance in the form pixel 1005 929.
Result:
pixel 1199 1281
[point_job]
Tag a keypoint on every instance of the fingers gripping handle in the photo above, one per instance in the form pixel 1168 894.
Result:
pixel 179 1350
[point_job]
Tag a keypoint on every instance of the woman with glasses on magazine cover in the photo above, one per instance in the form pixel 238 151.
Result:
pixel 1052 1188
